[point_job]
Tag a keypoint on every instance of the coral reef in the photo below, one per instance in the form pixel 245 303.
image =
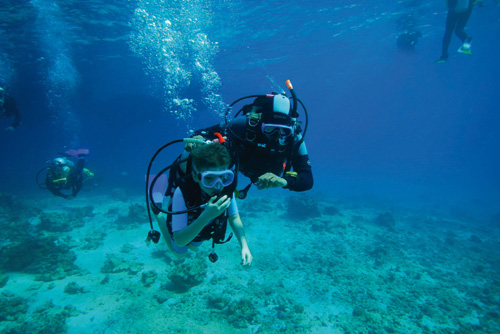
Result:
pixel 48 318
pixel 48 257
pixel 337 272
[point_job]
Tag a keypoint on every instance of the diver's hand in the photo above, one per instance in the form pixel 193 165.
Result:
pixel 9 129
pixel 246 257
pixel 216 207
pixel 190 146
pixel 270 180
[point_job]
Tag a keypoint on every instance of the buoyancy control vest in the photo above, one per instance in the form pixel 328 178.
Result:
pixel 194 198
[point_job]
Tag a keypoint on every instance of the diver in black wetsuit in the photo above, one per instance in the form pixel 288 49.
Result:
pixel 268 144
pixel 408 38
pixel 459 12
pixel 8 108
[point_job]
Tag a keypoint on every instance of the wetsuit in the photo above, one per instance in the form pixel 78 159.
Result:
pixel 74 181
pixel 181 221
pixel 459 12
pixel 10 109
pixel 255 161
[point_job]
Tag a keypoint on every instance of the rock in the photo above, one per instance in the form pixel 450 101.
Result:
pixel 386 220
pixel 12 307
pixel 55 222
pixel 72 288
pixel 187 274
pixel 148 278
pixel 115 264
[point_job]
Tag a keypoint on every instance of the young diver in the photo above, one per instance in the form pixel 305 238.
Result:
pixel 205 212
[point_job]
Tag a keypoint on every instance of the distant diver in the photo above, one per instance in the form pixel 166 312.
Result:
pixel 407 40
pixel 8 108
pixel 459 12
pixel 64 178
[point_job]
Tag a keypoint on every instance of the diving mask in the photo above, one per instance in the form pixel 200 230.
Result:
pixel 210 179
pixel 283 130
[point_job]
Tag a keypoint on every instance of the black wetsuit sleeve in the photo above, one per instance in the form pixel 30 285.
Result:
pixel 78 183
pixel 76 187
pixel 304 179
pixel 12 110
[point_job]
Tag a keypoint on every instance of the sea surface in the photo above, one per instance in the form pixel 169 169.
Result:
pixel 400 233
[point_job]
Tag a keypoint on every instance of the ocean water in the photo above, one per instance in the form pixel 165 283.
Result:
pixel 400 233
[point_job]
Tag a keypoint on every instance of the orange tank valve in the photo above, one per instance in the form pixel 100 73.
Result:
pixel 219 136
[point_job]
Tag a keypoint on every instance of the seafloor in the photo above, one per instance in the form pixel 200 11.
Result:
pixel 321 265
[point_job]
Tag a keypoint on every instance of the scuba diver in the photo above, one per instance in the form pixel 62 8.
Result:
pixel 64 178
pixel 210 209
pixel 266 144
pixel 408 38
pixel 459 12
pixel 8 108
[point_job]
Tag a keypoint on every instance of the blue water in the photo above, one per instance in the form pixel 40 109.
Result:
pixel 124 77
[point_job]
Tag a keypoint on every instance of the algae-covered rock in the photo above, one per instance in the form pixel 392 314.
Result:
pixel 72 288
pixel 12 209
pixel 48 319
pixel 134 217
pixel 115 264
pixel 187 274
pixel 47 256
pixel 148 278
pixel 241 313
pixel 93 240
pixel 55 222
pixel 12 307
pixel 218 302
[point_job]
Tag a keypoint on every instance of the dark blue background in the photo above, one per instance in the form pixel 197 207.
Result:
pixel 383 122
